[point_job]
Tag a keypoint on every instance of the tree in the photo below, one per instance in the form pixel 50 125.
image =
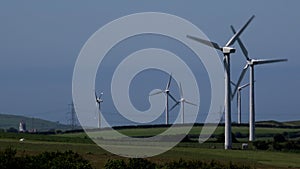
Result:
pixel 279 138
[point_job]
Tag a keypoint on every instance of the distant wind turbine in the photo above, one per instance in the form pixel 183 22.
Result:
pixel 168 94
pixel 251 63
pixel 226 50
pixel 239 101
pixel 182 100
pixel 98 102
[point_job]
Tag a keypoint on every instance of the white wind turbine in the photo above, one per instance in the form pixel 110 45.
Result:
pixel 98 102
pixel 251 63
pixel 167 93
pixel 226 50
pixel 182 101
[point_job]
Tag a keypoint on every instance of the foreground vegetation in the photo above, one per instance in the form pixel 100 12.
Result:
pixel 33 145
pixel 71 160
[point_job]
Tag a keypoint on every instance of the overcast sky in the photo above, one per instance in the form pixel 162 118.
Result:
pixel 40 42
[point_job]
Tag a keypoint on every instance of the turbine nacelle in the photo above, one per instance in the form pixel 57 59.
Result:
pixel 99 100
pixel 228 50
pixel 250 62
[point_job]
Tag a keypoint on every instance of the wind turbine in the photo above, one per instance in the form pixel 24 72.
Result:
pixel 182 101
pixel 226 50
pixel 98 102
pixel 167 93
pixel 251 63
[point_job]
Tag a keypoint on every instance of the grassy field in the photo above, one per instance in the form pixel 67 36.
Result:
pixel 98 156
pixel 261 132
pixel 80 143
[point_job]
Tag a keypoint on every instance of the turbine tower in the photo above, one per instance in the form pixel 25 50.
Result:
pixel 251 63
pixel 226 50
pixel 182 101
pixel 167 93
pixel 98 102
pixel 239 101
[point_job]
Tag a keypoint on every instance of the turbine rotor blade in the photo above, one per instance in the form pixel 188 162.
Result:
pixel 245 85
pixel 232 83
pixel 225 64
pixel 161 91
pixel 240 79
pixel 101 94
pixel 188 102
pixel 169 82
pixel 174 106
pixel 172 97
pixel 242 46
pixel 265 61
pixel 181 91
pixel 237 34
pixel 205 42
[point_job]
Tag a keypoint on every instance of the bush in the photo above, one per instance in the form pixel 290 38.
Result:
pixel 12 130
pixel 261 145
pixel 277 146
pixel 115 164
pixel 279 138
pixel 291 145
pixel 180 164
pixel 57 160
pixel 134 163
pixel 221 138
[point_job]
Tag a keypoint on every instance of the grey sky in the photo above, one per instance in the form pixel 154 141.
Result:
pixel 40 41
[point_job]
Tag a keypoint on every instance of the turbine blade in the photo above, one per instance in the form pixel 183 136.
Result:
pixel 265 61
pixel 188 102
pixel 245 85
pixel 101 94
pixel 240 79
pixel 181 91
pixel 244 50
pixel 169 82
pixel 232 83
pixel 237 34
pixel 174 106
pixel 172 97
pixel 205 42
pixel 225 64
pixel 155 93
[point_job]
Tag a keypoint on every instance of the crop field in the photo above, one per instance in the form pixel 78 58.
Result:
pixel 79 142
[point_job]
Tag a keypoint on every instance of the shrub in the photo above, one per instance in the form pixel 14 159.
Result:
pixel 180 164
pixel 57 160
pixel 12 130
pixel 221 138
pixel 291 145
pixel 115 164
pixel 279 138
pixel 261 145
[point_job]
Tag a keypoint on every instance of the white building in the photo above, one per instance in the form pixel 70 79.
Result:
pixel 22 127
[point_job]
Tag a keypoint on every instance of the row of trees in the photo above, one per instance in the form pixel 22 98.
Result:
pixel 279 143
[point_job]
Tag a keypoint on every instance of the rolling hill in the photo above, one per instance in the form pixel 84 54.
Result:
pixel 7 121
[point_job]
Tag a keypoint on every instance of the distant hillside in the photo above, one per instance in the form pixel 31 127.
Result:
pixel 7 121
pixel 280 124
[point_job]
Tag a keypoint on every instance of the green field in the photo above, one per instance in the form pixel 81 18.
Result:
pixel 80 143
